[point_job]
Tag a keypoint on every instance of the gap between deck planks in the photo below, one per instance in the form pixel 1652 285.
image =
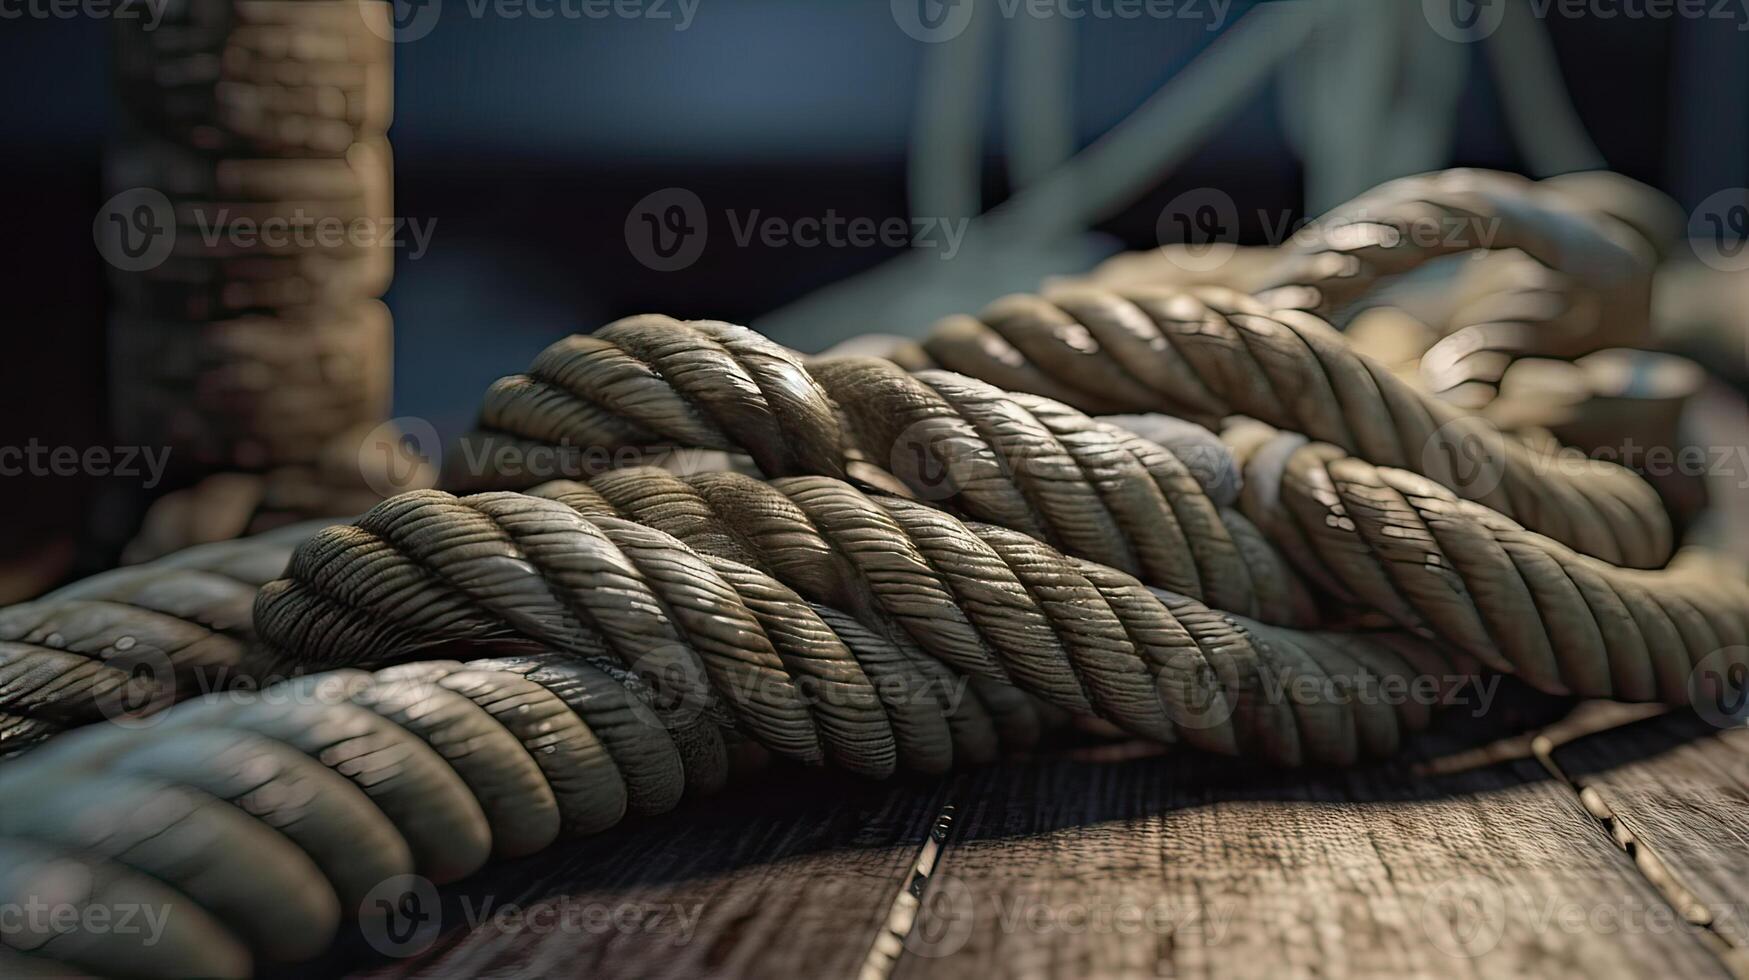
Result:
pixel 1158 865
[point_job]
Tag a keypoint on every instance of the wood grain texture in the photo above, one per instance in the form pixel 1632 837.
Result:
pixel 1683 803
pixel 1185 867
pixel 768 880
pixel 1122 861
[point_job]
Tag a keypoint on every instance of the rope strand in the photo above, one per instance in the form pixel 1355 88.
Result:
pixel 1211 355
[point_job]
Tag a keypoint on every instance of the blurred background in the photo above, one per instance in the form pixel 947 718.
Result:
pixel 542 150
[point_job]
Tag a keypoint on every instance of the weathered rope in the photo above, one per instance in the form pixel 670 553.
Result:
pixel 1515 600
pixel 252 820
pixel 1212 354
pixel 134 640
pixel 843 594
pixel 1086 487
pixel 1601 235
pixel 1494 267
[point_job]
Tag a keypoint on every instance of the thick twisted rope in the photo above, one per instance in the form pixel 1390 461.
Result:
pixel 1605 254
pixel 841 594
pixel 1495 266
pixel 1084 486
pixel 1211 355
pixel 133 640
pixel 1513 599
pixel 251 821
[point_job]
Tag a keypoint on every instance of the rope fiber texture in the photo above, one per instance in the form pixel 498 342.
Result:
pixel 825 623
pixel 253 820
pixel 1366 528
pixel 1086 487
pixel 1566 268
pixel 1209 355
pixel 133 640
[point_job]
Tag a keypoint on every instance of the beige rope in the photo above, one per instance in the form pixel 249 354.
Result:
pixel 1494 266
pixel 1086 487
pixel 1513 599
pixel 1210 355
pixel 1602 234
pixel 752 626
pixel 252 820
pixel 133 640
pixel 635 666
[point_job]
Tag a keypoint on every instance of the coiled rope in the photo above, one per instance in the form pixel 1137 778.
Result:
pixel 1516 600
pixel 802 603
pixel 1086 487
pixel 1365 527
pixel 1495 266
pixel 1602 239
pixel 133 640
pixel 251 821
pixel 1211 354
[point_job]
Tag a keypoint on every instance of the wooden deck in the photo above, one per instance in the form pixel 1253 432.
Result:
pixel 1578 852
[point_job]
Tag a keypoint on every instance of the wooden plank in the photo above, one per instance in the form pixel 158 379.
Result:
pixel 790 873
pixel 1677 788
pixel 1120 860
pixel 1184 866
